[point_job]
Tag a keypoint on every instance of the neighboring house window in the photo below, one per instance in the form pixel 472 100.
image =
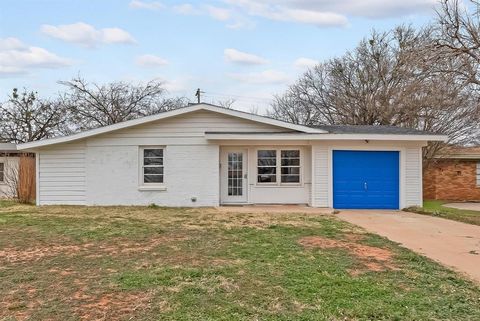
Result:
pixel 152 168
pixel 278 166
pixel 478 173
pixel 290 168
pixel 2 172
pixel 267 166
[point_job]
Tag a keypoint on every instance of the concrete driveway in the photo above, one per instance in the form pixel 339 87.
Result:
pixel 451 243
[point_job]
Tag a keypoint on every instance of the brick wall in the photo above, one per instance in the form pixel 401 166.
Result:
pixel 451 179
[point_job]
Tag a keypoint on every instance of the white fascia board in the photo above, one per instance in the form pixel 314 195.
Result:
pixel 317 137
pixel 8 147
pixel 172 113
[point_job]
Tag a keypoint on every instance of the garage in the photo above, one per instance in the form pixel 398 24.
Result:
pixel 366 179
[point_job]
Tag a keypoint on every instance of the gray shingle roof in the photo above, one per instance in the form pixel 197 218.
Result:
pixel 371 129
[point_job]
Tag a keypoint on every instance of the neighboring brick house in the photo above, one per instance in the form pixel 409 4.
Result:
pixel 454 175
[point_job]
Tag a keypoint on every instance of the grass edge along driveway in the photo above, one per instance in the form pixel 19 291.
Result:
pixel 436 208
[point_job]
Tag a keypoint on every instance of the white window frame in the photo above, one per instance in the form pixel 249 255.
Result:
pixel 478 174
pixel 278 154
pixel 299 166
pixel 150 186
pixel 276 166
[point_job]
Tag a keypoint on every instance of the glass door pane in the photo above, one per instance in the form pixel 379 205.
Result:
pixel 235 174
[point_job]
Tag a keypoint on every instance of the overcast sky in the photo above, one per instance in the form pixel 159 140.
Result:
pixel 242 49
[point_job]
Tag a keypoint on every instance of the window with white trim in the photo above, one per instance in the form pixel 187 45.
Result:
pixel 2 172
pixel 278 166
pixel 478 174
pixel 290 166
pixel 152 165
pixel 267 166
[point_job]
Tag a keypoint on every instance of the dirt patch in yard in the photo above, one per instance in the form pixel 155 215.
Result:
pixel 109 306
pixel 16 255
pixel 13 255
pixel 372 258
pixel 18 303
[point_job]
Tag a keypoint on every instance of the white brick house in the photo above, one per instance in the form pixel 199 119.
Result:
pixel 204 155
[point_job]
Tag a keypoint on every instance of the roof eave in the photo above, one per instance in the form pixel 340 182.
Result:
pixel 8 147
pixel 313 137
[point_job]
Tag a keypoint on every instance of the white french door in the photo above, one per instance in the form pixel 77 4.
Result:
pixel 233 175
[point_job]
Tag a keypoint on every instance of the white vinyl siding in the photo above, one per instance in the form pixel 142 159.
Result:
pixel 62 178
pixel 320 173
pixel 413 177
pixel 478 174
pixel 181 130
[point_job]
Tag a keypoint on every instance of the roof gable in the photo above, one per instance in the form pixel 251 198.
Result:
pixel 168 114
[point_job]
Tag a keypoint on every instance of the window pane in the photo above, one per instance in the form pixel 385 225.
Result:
pixel 267 170
pixel 267 178
pixel 153 161
pixel 235 174
pixel 153 165
pixel 290 161
pixel 153 178
pixel 267 162
pixel 2 167
pixel 266 166
pixel 290 170
pixel 290 153
pixel 153 153
pixel 290 179
pixel 1 176
pixel 153 170
pixel 267 153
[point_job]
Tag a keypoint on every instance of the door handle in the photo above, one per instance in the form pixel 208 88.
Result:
pixel 365 186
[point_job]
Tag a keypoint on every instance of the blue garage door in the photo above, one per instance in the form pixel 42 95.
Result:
pixel 366 179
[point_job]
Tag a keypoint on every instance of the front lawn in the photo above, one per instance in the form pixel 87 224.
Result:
pixel 436 208
pixel 135 263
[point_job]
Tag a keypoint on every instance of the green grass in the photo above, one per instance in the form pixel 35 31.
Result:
pixel 154 263
pixel 436 208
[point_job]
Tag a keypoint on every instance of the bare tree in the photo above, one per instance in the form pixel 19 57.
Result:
pixel 308 100
pixel 227 103
pixel 25 118
pixel 458 37
pixel 391 78
pixel 94 105
pixel 255 110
